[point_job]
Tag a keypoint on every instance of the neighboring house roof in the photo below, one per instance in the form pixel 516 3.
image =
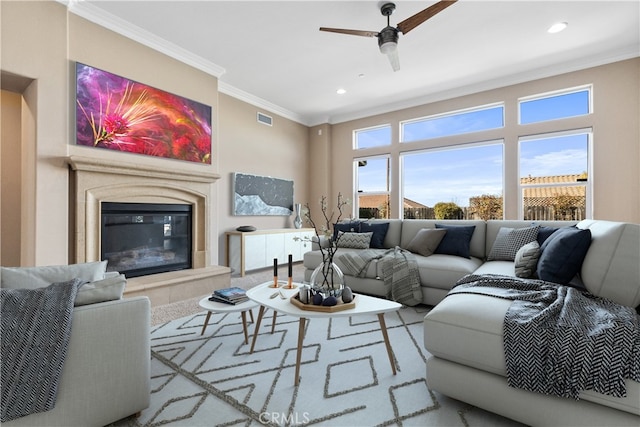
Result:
pixel 372 200
pixel 378 200
pixel 408 203
pixel 545 196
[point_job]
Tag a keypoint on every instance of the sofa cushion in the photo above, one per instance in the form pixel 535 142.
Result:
pixel 108 289
pixel 509 241
pixel 443 271
pixel 467 329
pixel 526 260
pixel 354 240
pixel 562 254
pixel 379 230
pixel 456 241
pixel 505 268
pixel 426 241
pixel 40 277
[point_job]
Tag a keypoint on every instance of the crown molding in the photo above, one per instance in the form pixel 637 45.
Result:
pixel 100 17
pixel 261 103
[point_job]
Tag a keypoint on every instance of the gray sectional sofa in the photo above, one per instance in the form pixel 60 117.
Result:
pixel 464 332
pixel 438 272
pixel 106 373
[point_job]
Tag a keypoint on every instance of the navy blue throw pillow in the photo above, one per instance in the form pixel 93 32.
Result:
pixel 544 232
pixel 379 230
pixel 562 254
pixel 456 241
pixel 345 227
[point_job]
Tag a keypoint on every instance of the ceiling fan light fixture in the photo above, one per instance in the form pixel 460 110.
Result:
pixel 389 48
pixel 388 44
pixel 394 60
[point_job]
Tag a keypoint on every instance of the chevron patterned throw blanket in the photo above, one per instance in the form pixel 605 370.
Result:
pixel 399 272
pixel 559 340
pixel 35 331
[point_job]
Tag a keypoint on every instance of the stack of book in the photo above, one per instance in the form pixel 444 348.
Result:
pixel 233 295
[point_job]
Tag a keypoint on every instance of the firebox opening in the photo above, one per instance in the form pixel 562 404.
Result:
pixel 138 239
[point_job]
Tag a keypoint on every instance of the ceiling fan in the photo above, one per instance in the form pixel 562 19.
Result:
pixel 388 36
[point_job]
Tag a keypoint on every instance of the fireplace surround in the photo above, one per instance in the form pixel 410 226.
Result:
pixel 95 181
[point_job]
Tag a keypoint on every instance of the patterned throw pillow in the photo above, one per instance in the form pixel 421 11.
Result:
pixel 526 260
pixel 509 240
pixel 354 240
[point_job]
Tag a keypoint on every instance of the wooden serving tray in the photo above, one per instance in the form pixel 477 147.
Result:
pixel 295 300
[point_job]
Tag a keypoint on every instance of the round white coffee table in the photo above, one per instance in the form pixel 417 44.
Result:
pixel 220 307
pixel 278 301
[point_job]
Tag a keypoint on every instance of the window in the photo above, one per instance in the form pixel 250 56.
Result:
pixel 448 166
pixel 463 182
pixel 372 184
pixel 453 123
pixel 372 137
pixel 554 176
pixel 561 105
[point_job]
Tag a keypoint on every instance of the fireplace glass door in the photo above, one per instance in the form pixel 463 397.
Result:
pixel 146 238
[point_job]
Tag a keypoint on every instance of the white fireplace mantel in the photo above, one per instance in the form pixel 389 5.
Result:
pixel 95 180
pixel 88 164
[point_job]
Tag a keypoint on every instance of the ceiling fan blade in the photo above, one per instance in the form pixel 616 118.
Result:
pixel 351 32
pixel 413 21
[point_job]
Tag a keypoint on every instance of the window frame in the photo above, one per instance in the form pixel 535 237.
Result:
pixel 461 111
pixel 588 184
pixel 356 181
pixel 361 130
pixel 551 94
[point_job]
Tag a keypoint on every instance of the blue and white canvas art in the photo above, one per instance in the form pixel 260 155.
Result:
pixel 262 195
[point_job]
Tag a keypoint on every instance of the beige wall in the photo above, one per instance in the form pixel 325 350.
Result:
pixel 615 122
pixel 246 146
pixel 33 41
pixel 10 160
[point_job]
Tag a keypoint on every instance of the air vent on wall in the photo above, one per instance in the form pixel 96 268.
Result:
pixel 264 119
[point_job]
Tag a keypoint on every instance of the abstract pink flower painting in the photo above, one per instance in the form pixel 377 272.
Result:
pixel 119 114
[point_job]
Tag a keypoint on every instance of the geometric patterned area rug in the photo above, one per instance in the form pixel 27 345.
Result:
pixel 345 375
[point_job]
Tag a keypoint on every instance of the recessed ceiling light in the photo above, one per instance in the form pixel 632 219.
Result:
pixel 557 27
pixel 341 91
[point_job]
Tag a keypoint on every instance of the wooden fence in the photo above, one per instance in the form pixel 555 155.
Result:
pixel 532 213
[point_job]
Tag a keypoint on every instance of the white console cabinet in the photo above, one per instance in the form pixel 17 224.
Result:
pixel 257 249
